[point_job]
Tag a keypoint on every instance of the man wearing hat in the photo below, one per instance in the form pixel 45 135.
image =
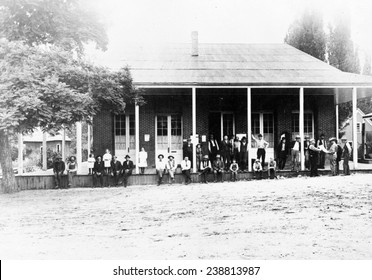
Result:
pixel 186 166
pixel 171 168
pixel 321 143
pixel 346 154
pixel 71 170
pixel 306 151
pixel 218 168
pixel 261 148
pixel 127 170
pixel 257 169
pixel 313 158
pixel 205 168
pixel 58 169
pixel 295 153
pixel 115 169
pixel 161 167
pixel 187 149
pixel 333 155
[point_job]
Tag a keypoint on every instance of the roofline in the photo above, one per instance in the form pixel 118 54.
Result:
pixel 234 85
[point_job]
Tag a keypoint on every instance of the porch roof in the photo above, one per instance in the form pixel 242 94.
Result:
pixel 233 65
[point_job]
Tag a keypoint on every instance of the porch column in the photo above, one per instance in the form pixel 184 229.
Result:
pixel 355 138
pixel 136 129
pixel 63 149
pixel 302 136
pixel 249 128
pixel 79 159
pixel 89 144
pixel 20 154
pixel 194 129
pixel 337 119
pixel 44 151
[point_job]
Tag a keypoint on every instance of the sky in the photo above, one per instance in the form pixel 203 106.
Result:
pixel 132 22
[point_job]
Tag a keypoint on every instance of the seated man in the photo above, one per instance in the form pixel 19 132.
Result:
pixel 205 168
pixel 234 168
pixel 161 166
pixel 98 171
pixel 58 169
pixel 257 169
pixel 115 170
pixel 127 170
pixel 218 168
pixel 171 168
pixel 272 169
pixel 185 166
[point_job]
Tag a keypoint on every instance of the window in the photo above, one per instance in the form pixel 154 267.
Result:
pixel 119 125
pixel 308 124
pixel 162 126
pixel 175 125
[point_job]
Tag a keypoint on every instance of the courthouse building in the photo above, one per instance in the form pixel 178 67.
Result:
pixel 193 90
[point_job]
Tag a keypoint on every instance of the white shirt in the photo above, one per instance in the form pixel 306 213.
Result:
pixel 107 159
pixel 171 165
pixel 185 165
pixel 161 165
pixel 261 144
pixel 296 146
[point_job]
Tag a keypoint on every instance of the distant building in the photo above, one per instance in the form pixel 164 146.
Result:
pixel 34 142
pixel 347 130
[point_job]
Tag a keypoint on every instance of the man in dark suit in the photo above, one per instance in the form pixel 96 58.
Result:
pixel 116 169
pixel 127 169
pixel 58 169
pixel 98 171
pixel 187 150
pixel 321 142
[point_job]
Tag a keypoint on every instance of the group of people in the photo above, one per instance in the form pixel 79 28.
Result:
pixel 227 156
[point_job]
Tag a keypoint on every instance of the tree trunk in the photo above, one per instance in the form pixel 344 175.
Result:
pixel 8 182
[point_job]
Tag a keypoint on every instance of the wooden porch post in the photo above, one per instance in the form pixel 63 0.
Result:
pixel 136 129
pixel 302 138
pixel 20 154
pixel 79 158
pixel 89 144
pixel 44 151
pixel 337 119
pixel 249 128
pixel 355 138
pixel 194 129
pixel 63 149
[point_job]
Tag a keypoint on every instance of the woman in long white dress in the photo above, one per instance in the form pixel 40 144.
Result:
pixel 142 160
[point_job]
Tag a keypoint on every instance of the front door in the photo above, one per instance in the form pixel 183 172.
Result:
pixel 125 137
pixel 263 123
pixel 169 139
pixel 221 123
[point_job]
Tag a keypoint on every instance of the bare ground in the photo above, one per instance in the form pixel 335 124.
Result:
pixel 300 218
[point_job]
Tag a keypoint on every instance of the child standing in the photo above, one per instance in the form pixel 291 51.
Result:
pixel 142 160
pixel 234 167
pixel 91 161
pixel 107 157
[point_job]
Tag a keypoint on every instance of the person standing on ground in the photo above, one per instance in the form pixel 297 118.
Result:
pixel 244 154
pixel 58 169
pixel 296 153
pixel 261 148
pixel 161 167
pixel 225 151
pixel 171 168
pixel 236 149
pixel 306 152
pixel 127 170
pixel 142 160
pixel 91 161
pixel 333 155
pixel 199 156
pixel 346 154
pixel 313 158
pixel 321 143
pixel 71 170
pixel 271 169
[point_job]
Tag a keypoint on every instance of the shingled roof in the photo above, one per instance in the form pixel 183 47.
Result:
pixel 234 65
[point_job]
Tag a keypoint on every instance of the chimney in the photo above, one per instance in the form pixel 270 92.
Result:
pixel 194 43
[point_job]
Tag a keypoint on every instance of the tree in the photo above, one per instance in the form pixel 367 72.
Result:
pixel 307 34
pixel 62 23
pixel 341 51
pixel 367 65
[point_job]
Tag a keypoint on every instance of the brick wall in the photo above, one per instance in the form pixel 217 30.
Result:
pixel 103 132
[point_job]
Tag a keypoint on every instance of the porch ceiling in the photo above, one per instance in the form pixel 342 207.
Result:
pixel 234 65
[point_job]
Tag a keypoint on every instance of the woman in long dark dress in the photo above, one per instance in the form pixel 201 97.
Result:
pixel 243 155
